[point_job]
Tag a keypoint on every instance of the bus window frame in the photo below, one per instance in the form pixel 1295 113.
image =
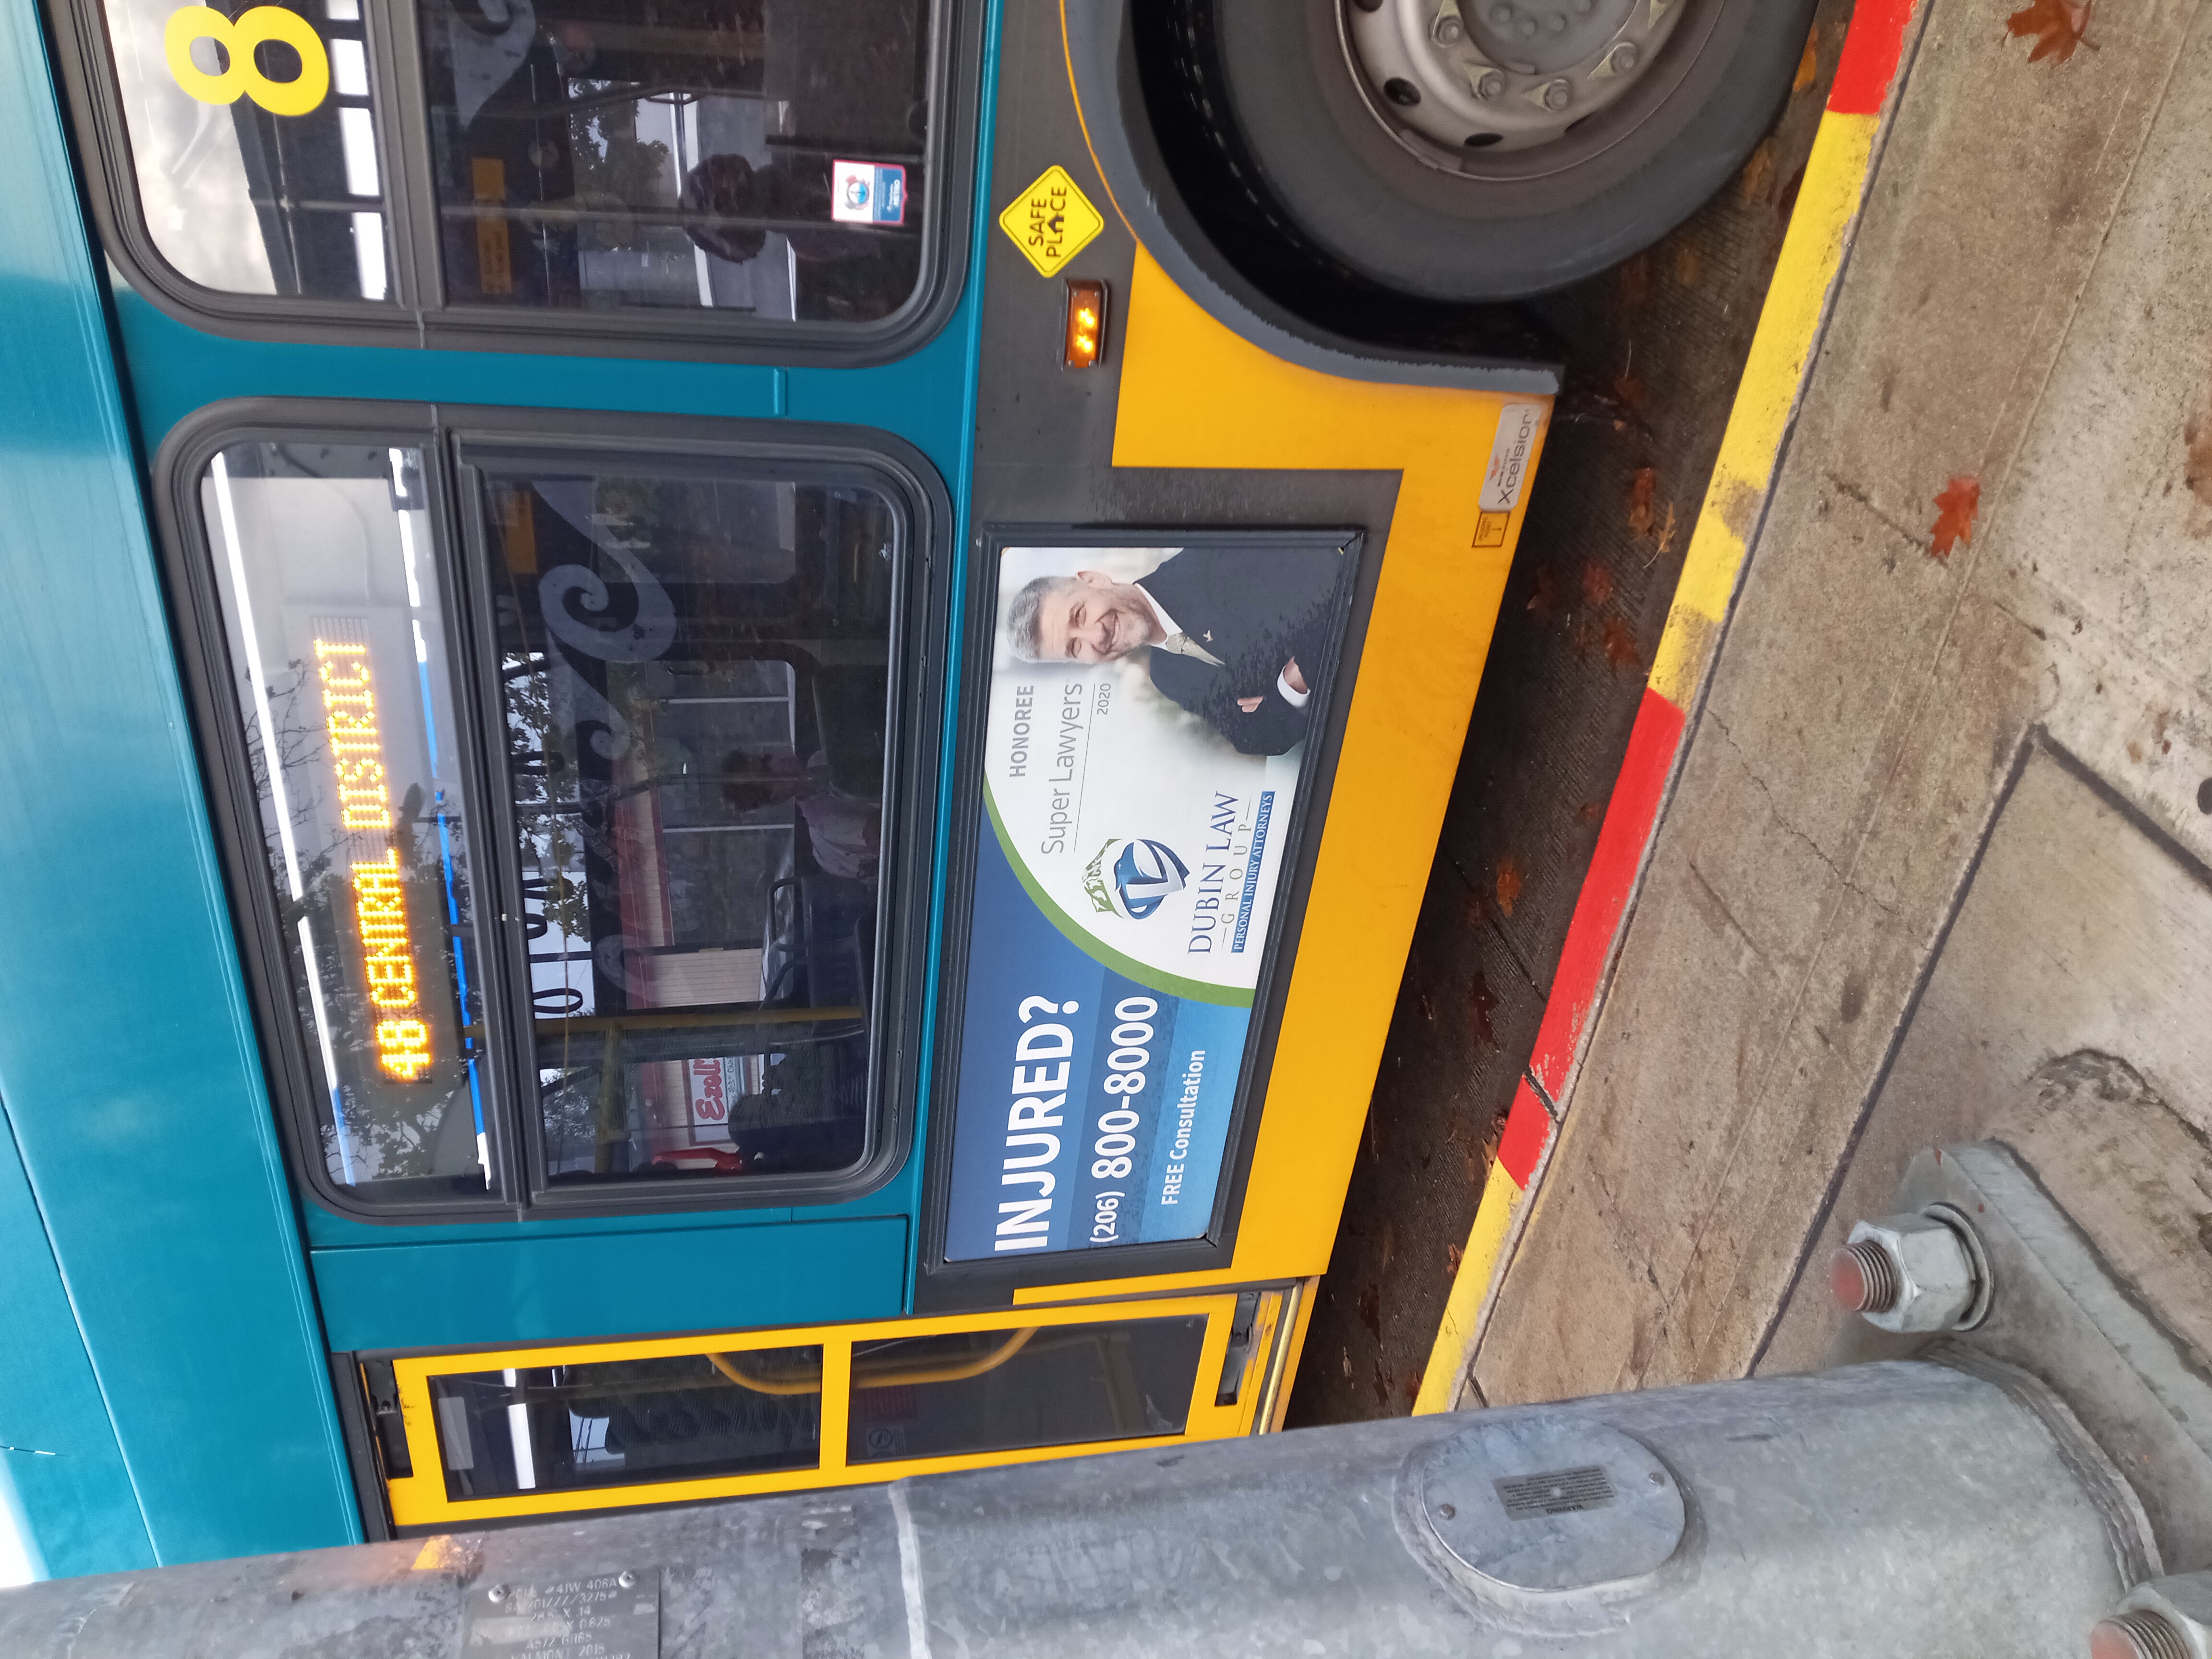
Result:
pixel 419 1501
pixel 418 313
pixel 941 1284
pixel 913 746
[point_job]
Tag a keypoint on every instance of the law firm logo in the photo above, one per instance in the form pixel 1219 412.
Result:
pixel 1133 879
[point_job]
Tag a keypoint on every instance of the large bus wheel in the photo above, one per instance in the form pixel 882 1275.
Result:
pixel 1482 150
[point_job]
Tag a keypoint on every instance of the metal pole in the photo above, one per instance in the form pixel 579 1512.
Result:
pixel 1908 1509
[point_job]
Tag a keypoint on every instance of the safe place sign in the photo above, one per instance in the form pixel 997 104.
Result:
pixel 1148 717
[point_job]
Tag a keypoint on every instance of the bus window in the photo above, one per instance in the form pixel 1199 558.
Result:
pixel 255 144
pixel 760 157
pixel 626 1422
pixel 991 1391
pixel 648 961
pixel 324 562
pixel 696 669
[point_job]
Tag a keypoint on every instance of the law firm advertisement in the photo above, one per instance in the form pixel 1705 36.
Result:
pixel 1149 718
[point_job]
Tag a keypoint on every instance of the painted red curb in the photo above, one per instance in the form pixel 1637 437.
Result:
pixel 1528 1129
pixel 1629 820
pixel 1872 46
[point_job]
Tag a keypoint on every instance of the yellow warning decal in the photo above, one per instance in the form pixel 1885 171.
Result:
pixel 1051 220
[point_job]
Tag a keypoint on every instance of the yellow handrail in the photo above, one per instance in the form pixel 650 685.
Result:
pixel 959 1371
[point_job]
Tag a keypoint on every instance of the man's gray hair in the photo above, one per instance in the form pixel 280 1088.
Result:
pixel 1022 616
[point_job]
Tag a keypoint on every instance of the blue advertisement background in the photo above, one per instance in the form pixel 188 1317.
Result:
pixel 1020 961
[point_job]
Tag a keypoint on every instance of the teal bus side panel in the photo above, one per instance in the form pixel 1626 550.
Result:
pixel 57 1450
pixel 126 1058
pixel 542 1290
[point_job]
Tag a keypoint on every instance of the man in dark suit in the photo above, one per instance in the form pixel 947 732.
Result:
pixel 1231 632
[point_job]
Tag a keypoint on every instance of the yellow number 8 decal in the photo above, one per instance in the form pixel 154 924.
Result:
pixel 264 23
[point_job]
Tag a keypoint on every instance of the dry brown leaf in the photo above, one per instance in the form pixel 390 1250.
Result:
pixel 1453 1254
pixel 2057 25
pixel 1544 593
pixel 1480 1001
pixel 1620 645
pixel 1597 582
pixel 1954 515
pixel 1808 66
pixel 1635 282
pixel 1509 883
pixel 1758 172
pixel 1640 490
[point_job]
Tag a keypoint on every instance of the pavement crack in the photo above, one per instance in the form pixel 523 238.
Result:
pixel 1774 810
pixel 1906 533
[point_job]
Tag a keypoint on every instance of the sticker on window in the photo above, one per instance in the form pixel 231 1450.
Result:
pixel 867 193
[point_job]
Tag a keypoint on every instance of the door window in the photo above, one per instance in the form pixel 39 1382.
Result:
pixel 986 1391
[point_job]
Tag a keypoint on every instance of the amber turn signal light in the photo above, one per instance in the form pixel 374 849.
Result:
pixel 1085 341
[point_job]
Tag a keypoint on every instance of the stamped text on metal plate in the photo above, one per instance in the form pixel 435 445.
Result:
pixel 1557 1491
pixel 609 1615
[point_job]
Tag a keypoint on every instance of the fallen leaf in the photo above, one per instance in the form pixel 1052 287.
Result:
pixel 1635 282
pixel 1453 1256
pixel 1509 883
pixel 1628 392
pixel 1758 172
pixel 1597 582
pixel 1640 490
pixel 2057 25
pixel 1480 1001
pixel 1370 1309
pixel 1588 812
pixel 2196 472
pixel 1808 66
pixel 1954 516
pixel 1620 645
pixel 1667 532
pixel 1544 593
pixel 1410 1386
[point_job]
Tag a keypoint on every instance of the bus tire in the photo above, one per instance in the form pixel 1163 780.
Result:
pixel 1304 132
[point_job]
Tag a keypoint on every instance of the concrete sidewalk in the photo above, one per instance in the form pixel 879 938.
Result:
pixel 1942 828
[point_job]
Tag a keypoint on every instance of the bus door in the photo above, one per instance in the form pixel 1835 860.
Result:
pixel 467 1438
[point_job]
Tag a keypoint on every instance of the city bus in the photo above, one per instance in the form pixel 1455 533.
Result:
pixel 720 720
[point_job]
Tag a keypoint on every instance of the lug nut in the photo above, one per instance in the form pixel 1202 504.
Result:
pixel 1448 30
pixel 2138 1635
pixel 1909 1273
pixel 1624 57
pixel 1556 94
pixel 1490 85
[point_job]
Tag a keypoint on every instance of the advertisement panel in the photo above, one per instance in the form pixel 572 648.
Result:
pixel 1145 753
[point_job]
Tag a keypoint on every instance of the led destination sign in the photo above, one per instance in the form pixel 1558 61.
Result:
pixel 380 899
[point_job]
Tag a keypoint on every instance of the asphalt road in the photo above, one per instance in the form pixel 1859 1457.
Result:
pixel 1653 351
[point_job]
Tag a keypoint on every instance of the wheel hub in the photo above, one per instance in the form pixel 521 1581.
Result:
pixel 1477 77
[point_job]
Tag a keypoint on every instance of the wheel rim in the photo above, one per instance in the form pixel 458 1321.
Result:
pixel 1510 90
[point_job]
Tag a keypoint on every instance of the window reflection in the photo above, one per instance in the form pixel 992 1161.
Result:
pixel 606 153
pixel 625 1422
pixel 324 561
pixel 694 671
pixel 255 143
pixel 1054 1385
